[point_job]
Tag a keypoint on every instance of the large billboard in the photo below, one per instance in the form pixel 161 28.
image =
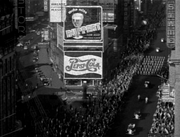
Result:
pixel 57 10
pixel 83 24
pixel 170 21
pixel 83 65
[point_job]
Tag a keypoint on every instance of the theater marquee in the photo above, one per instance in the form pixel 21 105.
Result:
pixel 86 65
pixel 170 21
pixel 83 23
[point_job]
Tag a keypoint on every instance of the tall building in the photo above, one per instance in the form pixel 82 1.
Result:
pixel 8 36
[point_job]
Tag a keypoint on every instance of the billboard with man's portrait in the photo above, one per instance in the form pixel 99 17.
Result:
pixel 83 24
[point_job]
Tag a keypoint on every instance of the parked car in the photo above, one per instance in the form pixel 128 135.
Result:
pixel 157 49
pixel 162 40
pixel 32 31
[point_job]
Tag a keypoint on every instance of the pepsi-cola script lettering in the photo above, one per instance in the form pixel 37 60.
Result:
pixel 82 65
pixel 83 30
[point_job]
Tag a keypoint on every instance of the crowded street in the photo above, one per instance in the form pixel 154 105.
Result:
pixel 90 72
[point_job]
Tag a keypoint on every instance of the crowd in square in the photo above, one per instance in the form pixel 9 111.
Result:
pixel 95 118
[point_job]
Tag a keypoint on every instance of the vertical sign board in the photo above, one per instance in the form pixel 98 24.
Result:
pixel 60 34
pixel 57 10
pixel 170 21
pixel 21 18
pixel 126 24
pixel 83 25
pixel 45 5
pixel 108 11
pixel 83 65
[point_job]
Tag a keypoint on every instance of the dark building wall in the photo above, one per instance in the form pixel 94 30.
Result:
pixel 8 36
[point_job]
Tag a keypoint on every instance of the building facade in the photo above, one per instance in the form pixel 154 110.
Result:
pixel 8 36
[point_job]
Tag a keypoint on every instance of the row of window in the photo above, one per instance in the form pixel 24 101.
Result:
pixel 8 65
pixel 6 30
pixel 7 96
pixel 7 125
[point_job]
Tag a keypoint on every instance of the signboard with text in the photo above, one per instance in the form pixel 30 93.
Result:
pixel 108 16
pixel 57 10
pixel 170 21
pixel 21 17
pixel 83 24
pixel 45 5
pixel 83 65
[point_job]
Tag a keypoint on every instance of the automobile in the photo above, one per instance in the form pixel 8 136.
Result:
pixel 157 49
pixel 46 83
pixel 41 74
pixel 38 33
pixel 146 84
pixel 42 78
pixel 34 47
pixel 34 60
pixel 25 47
pixel 32 31
pixel 36 70
pixel 162 40
pixel 19 45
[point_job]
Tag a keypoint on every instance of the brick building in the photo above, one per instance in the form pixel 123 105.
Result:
pixel 8 36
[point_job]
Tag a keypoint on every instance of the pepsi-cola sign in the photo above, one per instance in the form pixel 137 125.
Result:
pixel 82 65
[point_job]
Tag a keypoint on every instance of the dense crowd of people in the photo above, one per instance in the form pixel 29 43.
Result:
pixel 99 113
pixel 163 120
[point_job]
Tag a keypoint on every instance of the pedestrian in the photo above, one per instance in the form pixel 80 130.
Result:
pixel 139 97
pixel 146 100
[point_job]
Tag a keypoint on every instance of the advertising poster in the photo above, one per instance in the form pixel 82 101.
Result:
pixel 170 21
pixel 86 65
pixel 83 24
pixel 57 10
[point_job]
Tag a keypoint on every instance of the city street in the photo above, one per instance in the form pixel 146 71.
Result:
pixel 125 116
pixel 27 68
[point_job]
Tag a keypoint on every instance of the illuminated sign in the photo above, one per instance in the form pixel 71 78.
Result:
pixel 83 23
pixel 108 16
pixel 29 18
pixel 21 17
pixel 57 10
pixel 170 23
pixel 80 65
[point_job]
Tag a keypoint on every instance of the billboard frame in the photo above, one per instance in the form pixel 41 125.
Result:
pixel 65 78
pixel 86 41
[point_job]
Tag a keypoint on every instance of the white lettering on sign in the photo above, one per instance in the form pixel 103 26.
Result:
pixel 83 30
pixel 83 65
pixel 170 21
pixel 21 17
pixel 57 10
